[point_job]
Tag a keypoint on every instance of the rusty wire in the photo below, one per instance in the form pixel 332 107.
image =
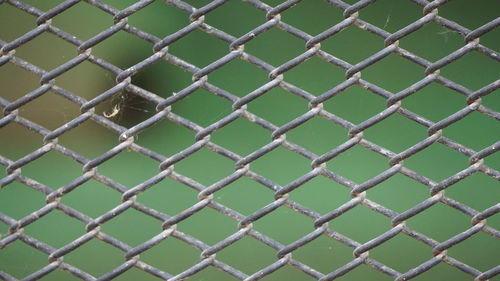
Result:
pixel 320 222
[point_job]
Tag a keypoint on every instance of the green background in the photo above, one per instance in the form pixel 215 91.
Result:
pixel 322 195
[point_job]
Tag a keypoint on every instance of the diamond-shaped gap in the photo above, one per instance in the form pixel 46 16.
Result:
pixel 315 76
pixel 47 229
pixel 205 166
pixel 59 274
pixel 398 193
pixel 171 255
pixel 135 51
pixel 119 169
pixel 239 77
pixel 393 73
pixel 281 165
pixel 75 20
pixel 212 273
pixel 324 254
pixel 194 107
pixel 245 15
pixel 159 19
pixel 321 195
pixel 169 196
pixel 479 251
pixel 476 131
pixel 208 225
pixel 364 272
pixel 434 102
pixel 361 224
pixel 437 162
pixel 89 139
pixel 284 225
pixel 166 137
pixel 358 164
pixel 389 253
pixel 189 48
pixel 318 135
pixel 424 41
pixel 18 141
pixel 469 15
pixel 56 51
pixel 92 198
pixel 474 70
pixel 440 222
pixel 47 169
pixel 278 106
pixel 288 272
pixel 125 227
pixel 353 44
pixel 396 133
pixel 18 80
pixel 86 80
pixel 243 254
pixel 325 16
pixel 50 110
pixel 389 15
pixel 20 260
pixel 256 196
pixel 275 46
pixel 355 104
pixel 162 78
pixel 443 271
pixel 84 257
pixel 478 191
pixel 18 200
pixel 9 15
pixel 242 136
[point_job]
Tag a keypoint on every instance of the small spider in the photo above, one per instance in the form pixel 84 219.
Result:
pixel 114 111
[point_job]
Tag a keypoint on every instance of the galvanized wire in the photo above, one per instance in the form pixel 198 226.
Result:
pixel 242 164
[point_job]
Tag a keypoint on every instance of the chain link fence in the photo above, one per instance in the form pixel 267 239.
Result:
pixel 320 224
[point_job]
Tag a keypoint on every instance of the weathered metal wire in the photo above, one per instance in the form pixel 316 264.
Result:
pixel 284 253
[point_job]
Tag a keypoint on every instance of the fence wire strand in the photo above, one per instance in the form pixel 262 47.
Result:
pixel 126 141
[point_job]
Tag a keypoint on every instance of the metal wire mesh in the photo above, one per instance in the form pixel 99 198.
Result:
pixel 127 141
